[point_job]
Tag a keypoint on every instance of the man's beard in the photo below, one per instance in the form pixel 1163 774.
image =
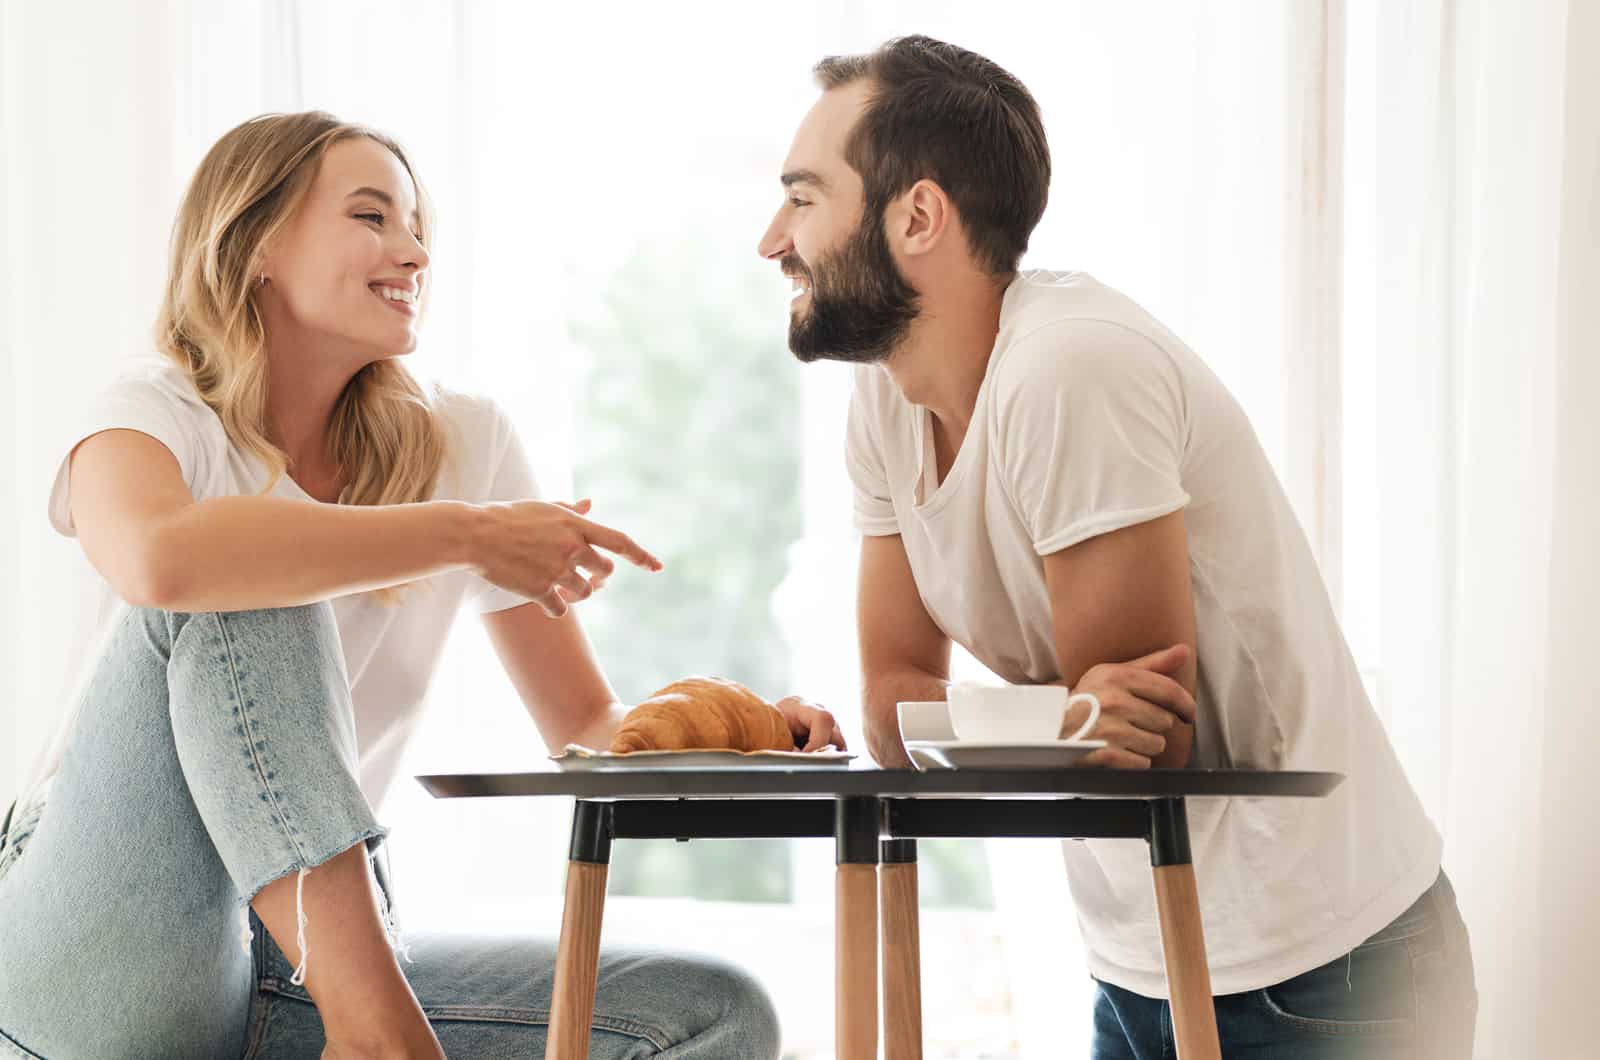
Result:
pixel 861 307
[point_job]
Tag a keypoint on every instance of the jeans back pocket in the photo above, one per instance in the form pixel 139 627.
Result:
pixel 1367 991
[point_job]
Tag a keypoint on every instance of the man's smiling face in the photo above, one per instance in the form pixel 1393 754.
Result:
pixel 851 302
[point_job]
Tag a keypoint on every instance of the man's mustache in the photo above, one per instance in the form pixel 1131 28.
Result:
pixel 794 268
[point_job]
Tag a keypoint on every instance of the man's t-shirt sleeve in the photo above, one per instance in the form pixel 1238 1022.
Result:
pixel 512 480
pixel 1090 425
pixel 872 508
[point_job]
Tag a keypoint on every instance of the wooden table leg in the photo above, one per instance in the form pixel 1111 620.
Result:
pixel 855 832
pixel 1183 944
pixel 578 953
pixel 902 951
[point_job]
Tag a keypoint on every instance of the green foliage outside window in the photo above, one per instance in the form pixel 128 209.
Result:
pixel 688 438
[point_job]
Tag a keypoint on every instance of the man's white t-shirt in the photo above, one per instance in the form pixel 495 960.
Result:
pixel 389 651
pixel 1093 417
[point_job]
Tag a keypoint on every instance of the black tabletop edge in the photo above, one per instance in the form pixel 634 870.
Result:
pixel 634 783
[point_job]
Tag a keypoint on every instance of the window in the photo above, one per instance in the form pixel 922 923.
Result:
pixel 602 180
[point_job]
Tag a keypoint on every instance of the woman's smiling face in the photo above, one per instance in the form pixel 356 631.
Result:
pixel 346 273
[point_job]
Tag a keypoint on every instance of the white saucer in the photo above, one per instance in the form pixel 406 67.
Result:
pixel 972 754
pixel 922 758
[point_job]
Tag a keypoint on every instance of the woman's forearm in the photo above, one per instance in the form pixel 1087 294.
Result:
pixel 242 553
pixel 601 728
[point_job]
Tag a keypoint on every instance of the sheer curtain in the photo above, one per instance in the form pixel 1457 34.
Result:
pixel 1399 294
pixel 96 136
pixel 1488 260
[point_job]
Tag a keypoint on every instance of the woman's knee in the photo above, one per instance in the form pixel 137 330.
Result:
pixel 274 661
pixel 736 1007
pixel 222 644
pixel 264 728
pixel 301 629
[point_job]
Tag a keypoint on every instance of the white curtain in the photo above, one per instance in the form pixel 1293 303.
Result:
pixel 90 123
pixel 1378 222
pixel 1488 264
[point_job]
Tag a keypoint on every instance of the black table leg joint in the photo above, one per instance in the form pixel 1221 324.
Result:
pixel 1169 833
pixel 857 823
pixel 898 852
pixel 591 832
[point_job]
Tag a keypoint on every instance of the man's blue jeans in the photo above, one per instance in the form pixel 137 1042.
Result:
pixel 213 754
pixel 1407 993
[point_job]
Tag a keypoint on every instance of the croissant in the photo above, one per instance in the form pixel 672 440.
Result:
pixel 703 713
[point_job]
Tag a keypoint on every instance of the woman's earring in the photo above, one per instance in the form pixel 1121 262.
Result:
pixel 261 281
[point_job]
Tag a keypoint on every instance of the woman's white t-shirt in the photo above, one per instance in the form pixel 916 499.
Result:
pixel 1093 417
pixel 389 651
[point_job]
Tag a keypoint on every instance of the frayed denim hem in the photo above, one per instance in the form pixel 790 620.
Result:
pixel 371 837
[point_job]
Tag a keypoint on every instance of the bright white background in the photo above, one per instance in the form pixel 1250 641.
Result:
pixel 1377 222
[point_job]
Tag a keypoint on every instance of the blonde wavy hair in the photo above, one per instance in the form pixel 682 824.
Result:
pixel 385 435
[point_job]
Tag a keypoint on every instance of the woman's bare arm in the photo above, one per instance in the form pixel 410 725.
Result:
pixel 159 547
pixel 553 667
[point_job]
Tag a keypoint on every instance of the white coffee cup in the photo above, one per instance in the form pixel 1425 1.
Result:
pixel 925 720
pixel 1017 713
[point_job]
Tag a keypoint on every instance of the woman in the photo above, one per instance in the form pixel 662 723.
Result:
pixel 291 523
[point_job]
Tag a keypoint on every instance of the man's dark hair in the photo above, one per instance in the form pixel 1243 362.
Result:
pixel 945 114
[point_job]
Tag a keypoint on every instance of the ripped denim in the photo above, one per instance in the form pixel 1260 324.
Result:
pixel 212 754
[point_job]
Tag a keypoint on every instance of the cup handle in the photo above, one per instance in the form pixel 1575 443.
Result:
pixel 1094 715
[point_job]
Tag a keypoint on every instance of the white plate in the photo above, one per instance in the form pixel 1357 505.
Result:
pixel 970 754
pixel 576 757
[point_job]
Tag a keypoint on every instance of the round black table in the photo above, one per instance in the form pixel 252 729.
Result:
pixel 876 816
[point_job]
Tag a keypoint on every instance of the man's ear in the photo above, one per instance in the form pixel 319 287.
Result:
pixel 923 218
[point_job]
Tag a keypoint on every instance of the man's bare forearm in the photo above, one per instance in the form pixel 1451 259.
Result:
pixel 240 553
pixel 885 690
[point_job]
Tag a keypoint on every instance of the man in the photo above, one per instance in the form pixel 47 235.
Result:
pixel 1046 475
